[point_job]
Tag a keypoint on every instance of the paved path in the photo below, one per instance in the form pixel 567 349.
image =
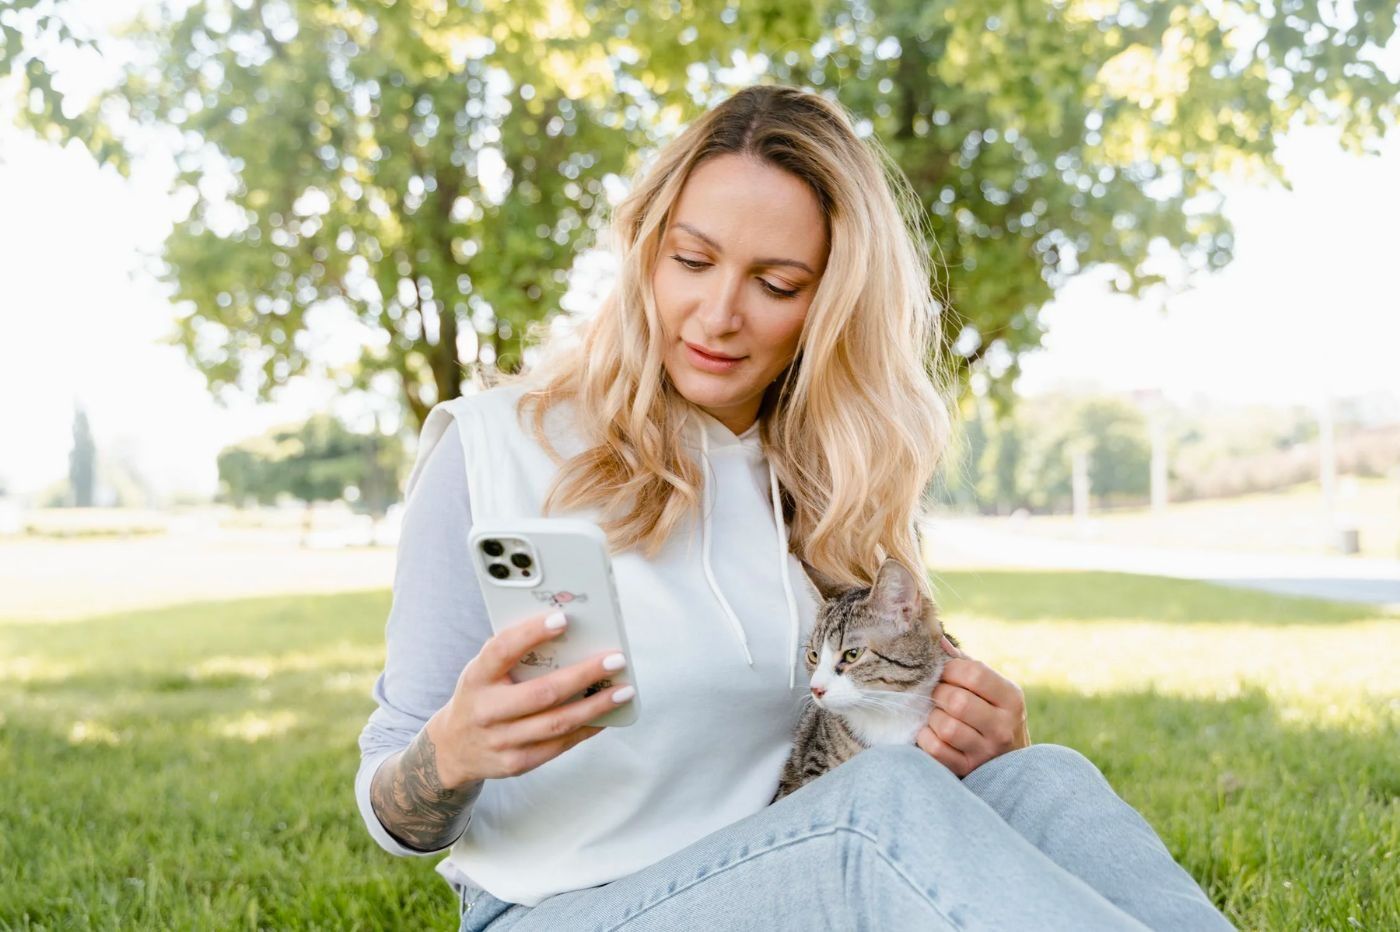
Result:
pixel 952 541
pixel 54 580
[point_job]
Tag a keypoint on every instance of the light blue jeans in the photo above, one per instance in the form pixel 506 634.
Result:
pixel 892 840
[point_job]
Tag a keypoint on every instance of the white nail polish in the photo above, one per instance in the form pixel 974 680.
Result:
pixel 614 662
pixel 556 621
pixel 625 693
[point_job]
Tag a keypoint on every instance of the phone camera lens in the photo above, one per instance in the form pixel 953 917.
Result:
pixel 521 560
pixel 493 548
pixel 499 570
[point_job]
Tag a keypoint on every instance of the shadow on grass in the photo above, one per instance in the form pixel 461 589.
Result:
pixel 1034 595
pixel 168 642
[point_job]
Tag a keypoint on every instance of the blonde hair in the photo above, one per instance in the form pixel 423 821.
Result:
pixel 857 423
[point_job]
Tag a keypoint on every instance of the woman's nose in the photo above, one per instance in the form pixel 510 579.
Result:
pixel 720 312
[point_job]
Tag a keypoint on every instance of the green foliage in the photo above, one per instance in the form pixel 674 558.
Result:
pixel 1047 137
pixel 1022 459
pixel 362 137
pixel 31 31
pixel 318 460
pixel 1111 431
pixel 998 482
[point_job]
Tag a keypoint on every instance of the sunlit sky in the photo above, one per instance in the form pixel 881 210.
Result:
pixel 1308 307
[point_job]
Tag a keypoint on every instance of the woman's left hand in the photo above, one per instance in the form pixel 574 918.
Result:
pixel 978 714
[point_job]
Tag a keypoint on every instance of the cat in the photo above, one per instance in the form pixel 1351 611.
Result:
pixel 875 656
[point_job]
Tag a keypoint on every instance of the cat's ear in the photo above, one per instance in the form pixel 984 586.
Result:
pixel 896 592
pixel 826 586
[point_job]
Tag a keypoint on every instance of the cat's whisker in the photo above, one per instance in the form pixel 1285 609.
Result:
pixel 887 705
pixel 919 698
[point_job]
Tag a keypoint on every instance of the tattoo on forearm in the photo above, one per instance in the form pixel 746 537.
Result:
pixel 412 803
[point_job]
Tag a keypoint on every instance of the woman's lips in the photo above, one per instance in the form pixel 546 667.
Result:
pixel 708 363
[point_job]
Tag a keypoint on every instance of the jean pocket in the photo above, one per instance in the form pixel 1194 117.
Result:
pixel 478 909
pixel 461 908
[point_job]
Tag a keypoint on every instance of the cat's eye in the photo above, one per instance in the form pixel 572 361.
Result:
pixel 812 657
pixel 851 654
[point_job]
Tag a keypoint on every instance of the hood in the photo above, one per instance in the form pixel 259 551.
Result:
pixel 714 439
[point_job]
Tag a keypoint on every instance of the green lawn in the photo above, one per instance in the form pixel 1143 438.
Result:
pixel 191 767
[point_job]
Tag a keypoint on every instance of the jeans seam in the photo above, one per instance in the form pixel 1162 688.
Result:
pixel 899 871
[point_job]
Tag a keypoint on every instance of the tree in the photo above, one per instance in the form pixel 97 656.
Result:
pixel 1000 468
pixel 423 167
pixel 1111 431
pixel 31 32
pixel 317 460
pixel 431 169
pixel 1046 137
pixel 82 461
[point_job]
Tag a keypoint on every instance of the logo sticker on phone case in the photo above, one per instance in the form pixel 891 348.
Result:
pixel 560 598
pixel 537 659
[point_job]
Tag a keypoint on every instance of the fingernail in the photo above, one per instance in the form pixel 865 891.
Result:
pixel 625 693
pixel 614 662
pixel 556 621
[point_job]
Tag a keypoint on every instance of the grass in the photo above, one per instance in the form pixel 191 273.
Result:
pixel 191 767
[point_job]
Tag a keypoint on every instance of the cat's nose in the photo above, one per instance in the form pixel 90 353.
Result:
pixel 819 691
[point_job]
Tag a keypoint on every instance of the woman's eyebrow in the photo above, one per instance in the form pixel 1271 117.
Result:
pixel 716 247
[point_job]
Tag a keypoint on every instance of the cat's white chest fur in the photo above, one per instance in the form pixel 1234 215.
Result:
pixel 873 728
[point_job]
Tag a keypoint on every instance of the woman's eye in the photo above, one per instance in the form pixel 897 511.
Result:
pixel 695 266
pixel 691 264
pixel 778 292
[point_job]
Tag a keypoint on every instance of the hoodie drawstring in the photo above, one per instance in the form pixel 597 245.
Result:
pixel 735 624
pixel 783 560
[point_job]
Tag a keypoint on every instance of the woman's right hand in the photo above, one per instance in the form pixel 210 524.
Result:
pixel 495 727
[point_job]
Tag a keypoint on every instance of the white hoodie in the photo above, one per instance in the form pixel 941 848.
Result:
pixel 715 622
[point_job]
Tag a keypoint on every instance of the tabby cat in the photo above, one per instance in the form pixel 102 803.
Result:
pixel 875 656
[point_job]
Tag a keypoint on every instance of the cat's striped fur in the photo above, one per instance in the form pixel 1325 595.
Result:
pixel 874 653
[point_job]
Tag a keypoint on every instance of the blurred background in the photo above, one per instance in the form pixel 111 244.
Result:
pixel 246 245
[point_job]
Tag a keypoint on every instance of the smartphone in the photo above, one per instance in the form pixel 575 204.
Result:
pixel 531 565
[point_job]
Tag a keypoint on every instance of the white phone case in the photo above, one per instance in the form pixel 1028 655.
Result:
pixel 569 569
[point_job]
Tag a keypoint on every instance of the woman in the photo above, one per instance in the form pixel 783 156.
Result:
pixel 756 393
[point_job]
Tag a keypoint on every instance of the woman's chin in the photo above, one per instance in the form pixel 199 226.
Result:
pixel 707 397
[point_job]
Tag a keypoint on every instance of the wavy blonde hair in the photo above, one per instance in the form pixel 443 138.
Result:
pixel 857 423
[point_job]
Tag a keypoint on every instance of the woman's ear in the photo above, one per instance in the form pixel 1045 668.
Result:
pixel 828 587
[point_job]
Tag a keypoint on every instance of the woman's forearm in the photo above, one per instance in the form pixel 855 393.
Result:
pixel 412 803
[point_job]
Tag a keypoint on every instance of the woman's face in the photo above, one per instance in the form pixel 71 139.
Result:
pixel 740 260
